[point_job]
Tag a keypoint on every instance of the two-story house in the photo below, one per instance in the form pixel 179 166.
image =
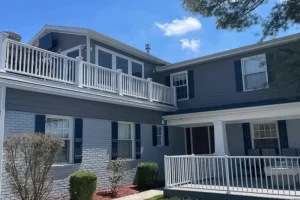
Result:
pixel 108 100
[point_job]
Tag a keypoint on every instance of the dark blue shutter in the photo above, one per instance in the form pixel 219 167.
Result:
pixel 191 84
pixel 166 132
pixel 154 138
pixel 114 143
pixel 137 141
pixel 212 139
pixel 283 137
pixel 188 141
pixel 78 140
pixel 40 123
pixel 168 81
pixel 238 76
pixel 247 137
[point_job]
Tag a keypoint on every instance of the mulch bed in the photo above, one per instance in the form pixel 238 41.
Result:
pixel 122 191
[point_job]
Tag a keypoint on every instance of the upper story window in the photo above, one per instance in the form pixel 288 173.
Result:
pixel 265 136
pixel 112 60
pixel 73 52
pixel 255 74
pixel 125 140
pixel 180 81
pixel 62 127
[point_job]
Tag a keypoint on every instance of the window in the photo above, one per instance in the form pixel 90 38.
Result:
pixel 125 140
pixel 73 52
pixel 62 127
pixel 265 136
pixel 180 81
pixel 255 74
pixel 160 135
pixel 112 60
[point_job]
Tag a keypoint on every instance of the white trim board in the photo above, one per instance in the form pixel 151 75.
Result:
pixel 69 90
pixel 229 53
pixel 2 121
pixel 238 115
pixel 98 37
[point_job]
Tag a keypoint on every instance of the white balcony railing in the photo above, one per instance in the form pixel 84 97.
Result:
pixel 275 175
pixel 28 60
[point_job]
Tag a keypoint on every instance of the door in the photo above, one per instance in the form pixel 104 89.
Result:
pixel 201 142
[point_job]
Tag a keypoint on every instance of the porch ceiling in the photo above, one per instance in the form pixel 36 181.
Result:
pixel 240 115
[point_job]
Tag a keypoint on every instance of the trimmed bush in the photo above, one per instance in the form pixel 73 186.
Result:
pixel 82 185
pixel 147 174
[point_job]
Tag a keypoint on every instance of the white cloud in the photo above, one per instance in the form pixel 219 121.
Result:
pixel 190 44
pixel 180 27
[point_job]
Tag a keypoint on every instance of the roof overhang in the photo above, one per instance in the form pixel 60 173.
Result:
pixel 98 37
pixel 229 53
pixel 239 115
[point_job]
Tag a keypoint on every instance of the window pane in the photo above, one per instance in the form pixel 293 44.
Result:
pixel 137 70
pixel 73 54
pixel 124 149
pixel 58 127
pixel 122 64
pixel 255 81
pixel 105 59
pixel 158 140
pixel 124 131
pixel 181 92
pixel 63 154
pixel 254 65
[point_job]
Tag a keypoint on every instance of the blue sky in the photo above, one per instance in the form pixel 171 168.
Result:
pixel 135 22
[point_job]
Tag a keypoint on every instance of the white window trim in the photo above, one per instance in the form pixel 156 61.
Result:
pixel 114 59
pixel 187 83
pixel 132 138
pixel 71 135
pixel 261 56
pixel 264 122
pixel 162 139
pixel 78 47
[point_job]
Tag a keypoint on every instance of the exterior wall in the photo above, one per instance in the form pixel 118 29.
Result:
pixel 67 41
pixel 96 151
pixel 19 100
pixel 148 67
pixel 293 129
pixel 214 84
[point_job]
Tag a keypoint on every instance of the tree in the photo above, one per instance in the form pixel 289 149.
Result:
pixel 117 173
pixel 241 14
pixel 29 158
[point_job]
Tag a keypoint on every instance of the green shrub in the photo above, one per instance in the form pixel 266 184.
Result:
pixel 147 174
pixel 82 185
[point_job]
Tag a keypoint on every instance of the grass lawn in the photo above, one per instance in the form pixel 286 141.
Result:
pixel 159 197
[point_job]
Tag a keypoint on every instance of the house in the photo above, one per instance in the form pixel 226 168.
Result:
pixel 199 119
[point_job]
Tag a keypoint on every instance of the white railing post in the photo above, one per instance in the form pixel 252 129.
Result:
pixel 119 81
pixel 150 87
pixel 227 174
pixel 3 47
pixel 174 96
pixel 166 171
pixel 79 71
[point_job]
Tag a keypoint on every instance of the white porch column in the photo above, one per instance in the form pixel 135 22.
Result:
pixel 221 146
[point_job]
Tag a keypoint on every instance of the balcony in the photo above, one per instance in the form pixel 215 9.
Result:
pixel 52 68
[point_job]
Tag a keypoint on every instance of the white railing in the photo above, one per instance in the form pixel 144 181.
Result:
pixel 246 174
pixel 29 60
pixel 134 86
pixel 162 93
pixel 98 77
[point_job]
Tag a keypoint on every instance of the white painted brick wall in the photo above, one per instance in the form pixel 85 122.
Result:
pixel 96 152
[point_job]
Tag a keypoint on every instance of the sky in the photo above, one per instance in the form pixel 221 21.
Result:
pixel 174 34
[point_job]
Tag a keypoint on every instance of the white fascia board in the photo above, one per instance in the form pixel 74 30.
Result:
pixel 229 53
pixel 72 91
pixel 278 111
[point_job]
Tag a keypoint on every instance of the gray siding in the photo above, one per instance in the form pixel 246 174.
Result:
pixel 293 129
pixel 20 100
pixel 96 152
pixel 215 85
pixel 67 41
pixel 148 67
pixel 235 139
